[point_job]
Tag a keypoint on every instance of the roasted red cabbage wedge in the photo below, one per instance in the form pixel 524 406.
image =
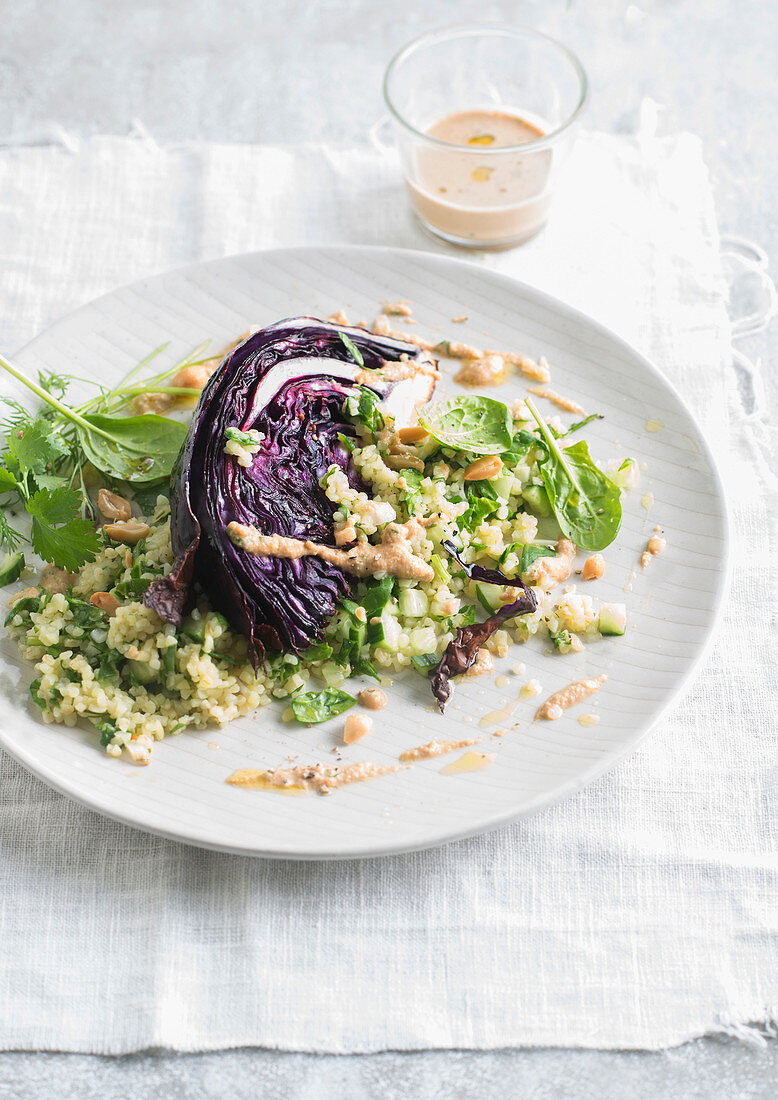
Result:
pixel 288 382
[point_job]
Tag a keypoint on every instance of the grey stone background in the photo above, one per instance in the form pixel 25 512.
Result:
pixel 284 71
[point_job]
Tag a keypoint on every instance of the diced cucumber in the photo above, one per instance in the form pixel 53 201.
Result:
pixel 427 448
pixel 503 485
pixel 413 603
pixel 390 631
pixel 194 628
pixel 612 618
pixel 536 498
pixel 11 568
pixel 141 672
pixel 488 595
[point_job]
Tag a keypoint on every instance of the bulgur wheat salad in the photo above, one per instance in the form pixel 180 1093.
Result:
pixel 322 517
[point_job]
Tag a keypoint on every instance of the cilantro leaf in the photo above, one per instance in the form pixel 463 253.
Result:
pixel 7 481
pixel 59 533
pixel 36 447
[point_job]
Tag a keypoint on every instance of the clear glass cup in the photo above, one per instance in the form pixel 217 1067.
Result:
pixel 484 193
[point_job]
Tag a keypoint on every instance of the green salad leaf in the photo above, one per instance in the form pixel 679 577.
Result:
pixel 482 501
pixel 586 503
pixel 318 706
pixel 480 425
pixel 133 448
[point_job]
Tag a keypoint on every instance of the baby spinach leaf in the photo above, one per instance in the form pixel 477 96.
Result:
pixel 586 503
pixel 318 706
pixel 480 425
pixel 133 448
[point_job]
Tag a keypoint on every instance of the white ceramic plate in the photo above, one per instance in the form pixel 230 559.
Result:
pixel 672 607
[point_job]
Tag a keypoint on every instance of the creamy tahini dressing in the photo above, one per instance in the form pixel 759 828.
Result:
pixel 392 555
pixel 488 371
pixel 537 370
pixel 372 698
pixel 475 196
pixel 558 399
pixel 548 572
pixel 568 696
pixel 312 777
pixel 434 748
pixel 483 663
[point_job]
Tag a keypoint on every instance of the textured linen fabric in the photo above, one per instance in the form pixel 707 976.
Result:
pixel 638 914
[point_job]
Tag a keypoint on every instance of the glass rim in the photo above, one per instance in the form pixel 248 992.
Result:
pixel 463 30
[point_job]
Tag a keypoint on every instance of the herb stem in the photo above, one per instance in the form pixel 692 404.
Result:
pixel 552 444
pixel 62 409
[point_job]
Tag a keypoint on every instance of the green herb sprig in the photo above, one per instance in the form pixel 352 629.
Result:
pixel 42 468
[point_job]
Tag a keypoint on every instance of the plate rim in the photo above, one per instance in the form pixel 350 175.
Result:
pixel 569 787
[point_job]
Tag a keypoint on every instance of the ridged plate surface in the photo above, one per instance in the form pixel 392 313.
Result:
pixel 672 607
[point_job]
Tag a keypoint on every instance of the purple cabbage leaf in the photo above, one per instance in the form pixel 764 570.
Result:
pixel 289 383
pixel 462 650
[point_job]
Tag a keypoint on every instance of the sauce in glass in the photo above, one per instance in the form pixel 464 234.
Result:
pixel 471 195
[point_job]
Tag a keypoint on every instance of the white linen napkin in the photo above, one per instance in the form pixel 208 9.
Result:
pixel 638 914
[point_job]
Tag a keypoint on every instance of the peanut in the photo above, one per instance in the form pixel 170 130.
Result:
pixel 130 532
pixel 105 601
pixel 399 461
pixel 195 377
pixel 25 592
pixel 594 567
pixel 483 468
pixel 112 505
pixel 416 434
pixel 357 725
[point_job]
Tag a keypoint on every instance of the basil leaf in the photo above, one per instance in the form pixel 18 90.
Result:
pixel 352 349
pixel 586 503
pixel 318 706
pixel 477 424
